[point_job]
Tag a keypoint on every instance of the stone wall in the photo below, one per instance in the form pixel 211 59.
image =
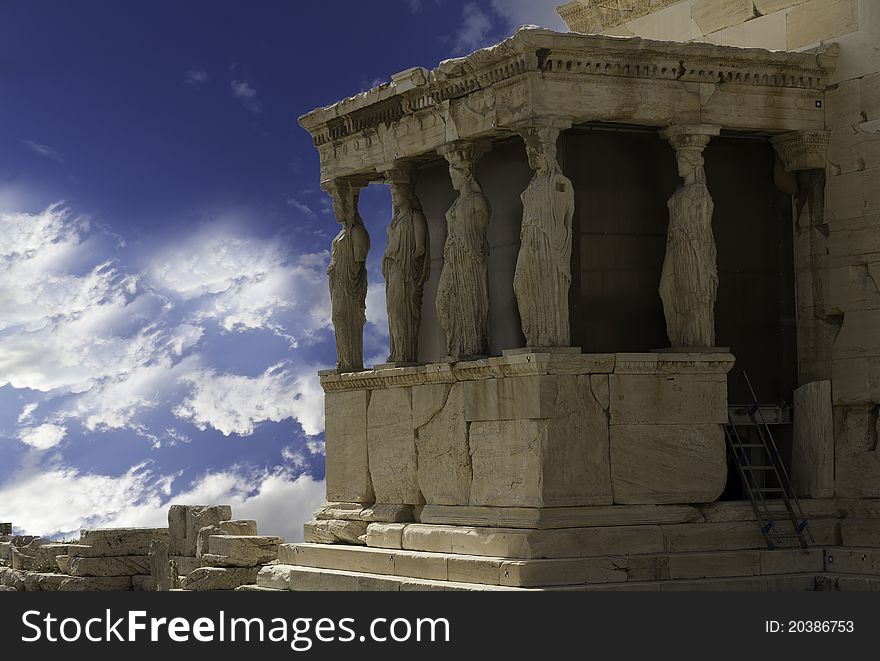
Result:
pixel 526 430
pixel 838 217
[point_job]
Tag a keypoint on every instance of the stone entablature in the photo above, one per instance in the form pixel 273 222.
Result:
pixel 581 78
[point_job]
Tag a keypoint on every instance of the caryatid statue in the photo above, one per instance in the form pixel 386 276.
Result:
pixel 348 276
pixel 463 290
pixel 406 266
pixel 543 267
pixel 689 280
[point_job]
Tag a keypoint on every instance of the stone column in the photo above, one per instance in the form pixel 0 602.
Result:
pixel 689 280
pixel 803 153
pixel 406 267
pixel 348 274
pixel 543 266
pixel 463 290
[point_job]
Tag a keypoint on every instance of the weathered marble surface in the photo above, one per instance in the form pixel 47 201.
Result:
pixel 812 460
pixel 184 524
pixel 391 447
pixel 348 277
pixel 463 291
pixel 345 438
pixel 160 568
pixel 543 266
pixel 444 460
pixel 406 267
pixel 689 280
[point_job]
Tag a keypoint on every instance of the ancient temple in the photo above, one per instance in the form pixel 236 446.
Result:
pixel 593 236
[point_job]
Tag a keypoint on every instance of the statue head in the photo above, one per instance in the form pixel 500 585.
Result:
pixel 540 144
pixel 401 195
pixel 690 165
pixel 461 172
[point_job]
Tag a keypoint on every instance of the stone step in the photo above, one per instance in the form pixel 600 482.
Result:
pixel 584 542
pixel 865 561
pixel 783 583
pixel 538 573
pixel 311 579
pixel 850 582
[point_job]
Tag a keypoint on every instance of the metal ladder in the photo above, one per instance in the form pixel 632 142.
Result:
pixel 776 506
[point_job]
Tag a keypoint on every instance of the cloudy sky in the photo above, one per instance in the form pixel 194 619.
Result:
pixel 163 245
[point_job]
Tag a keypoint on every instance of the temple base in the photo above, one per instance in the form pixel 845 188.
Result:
pixel 715 546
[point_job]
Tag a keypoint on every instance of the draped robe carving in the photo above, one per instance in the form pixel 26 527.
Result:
pixel 463 290
pixel 689 280
pixel 543 267
pixel 406 267
pixel 348 280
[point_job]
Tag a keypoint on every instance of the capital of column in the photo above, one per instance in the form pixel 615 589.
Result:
pixel 685 137
pixel 802 150
pixel 401 172
pixel 464 150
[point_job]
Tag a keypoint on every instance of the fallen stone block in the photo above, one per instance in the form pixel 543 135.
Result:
pixel 239 527
pixel 202 539
pixel 143 584
pixel 334 531
pixel 276 577
pixel 184 564
pixel 109 566
pixel 13 578
pixel 160 566
pixel 241 551
pixel 385 535
pixel 63 563
pixel 185 522
pixel 6 588
pixel 114 542
pixel 373 513
pixel 43 582
pixel 96 584
pixel 219 578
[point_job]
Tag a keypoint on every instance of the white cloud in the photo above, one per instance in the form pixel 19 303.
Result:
pixel 301 207
pixel 197 76
pixel 112 345
pixel 235 404
pixel 247 94
pixel 69 500
pixel 42 437
pixel 27 412
pixel 243 283
pixel 475 29
pixel 529 12
pixel 43 150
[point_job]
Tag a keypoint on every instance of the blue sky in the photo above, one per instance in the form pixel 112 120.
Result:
pixel 163 243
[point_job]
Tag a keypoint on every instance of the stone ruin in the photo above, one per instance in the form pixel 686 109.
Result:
pixel 203 548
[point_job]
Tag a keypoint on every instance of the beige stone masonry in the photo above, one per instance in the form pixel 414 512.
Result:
pixel 219 578
pixel 110 566
pixel 391 447
pixel 116 542
pixel 334 531
pixel 348 476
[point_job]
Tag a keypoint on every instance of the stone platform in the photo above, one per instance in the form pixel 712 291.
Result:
pixel 704 547
pixel 530 430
